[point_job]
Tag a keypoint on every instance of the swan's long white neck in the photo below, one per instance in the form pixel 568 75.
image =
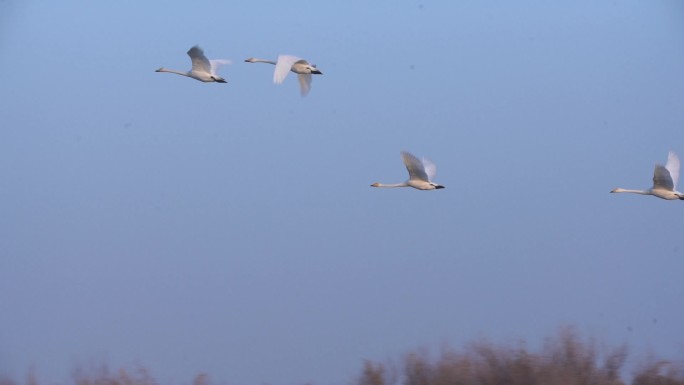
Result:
pixel 254 60
pixel 403 184
pixel 172 71
pixel 622 190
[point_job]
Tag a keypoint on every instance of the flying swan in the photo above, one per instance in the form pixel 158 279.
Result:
pixel 665 180
pixel 287 63
pixel 420 172
pixel 203 69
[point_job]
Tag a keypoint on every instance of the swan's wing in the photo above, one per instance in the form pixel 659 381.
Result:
pixel 672 166
pixel 430 169
pixel 415 167
pixel 662 178
pixel 304 83
pixel 200 62
pixel 216 63
pixel 283 66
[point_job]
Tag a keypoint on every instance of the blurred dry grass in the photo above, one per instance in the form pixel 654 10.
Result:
pixel 103 376
pixel 565 359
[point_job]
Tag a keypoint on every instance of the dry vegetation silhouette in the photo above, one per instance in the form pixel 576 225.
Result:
pixel 564 359
pixel 103 376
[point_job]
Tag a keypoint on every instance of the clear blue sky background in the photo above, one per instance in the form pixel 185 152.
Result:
pixel 230 228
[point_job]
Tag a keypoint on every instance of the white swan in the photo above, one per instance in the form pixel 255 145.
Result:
pixel 287 63
pixel 203 69
pixel 420 172
pixel 665 179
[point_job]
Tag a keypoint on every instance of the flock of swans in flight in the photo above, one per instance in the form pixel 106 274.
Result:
pixel 204 69
pixel 421 171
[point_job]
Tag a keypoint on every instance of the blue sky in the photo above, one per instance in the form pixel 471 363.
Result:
pixel 231 229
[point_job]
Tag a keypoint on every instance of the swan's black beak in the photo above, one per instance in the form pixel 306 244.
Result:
pixel 438 187
pixel 316 71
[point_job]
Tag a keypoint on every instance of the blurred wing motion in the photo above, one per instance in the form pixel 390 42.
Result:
pixel 662 178
pixel 672 166
pixel 430 169
pixel 415 167
pixel 216 63
pixel 200 63
pixel 304 83
pixel 283 67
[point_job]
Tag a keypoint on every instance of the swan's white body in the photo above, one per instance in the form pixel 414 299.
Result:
pixel 203 69
pixel 287 63
pixel 421 172
pixel 665 179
